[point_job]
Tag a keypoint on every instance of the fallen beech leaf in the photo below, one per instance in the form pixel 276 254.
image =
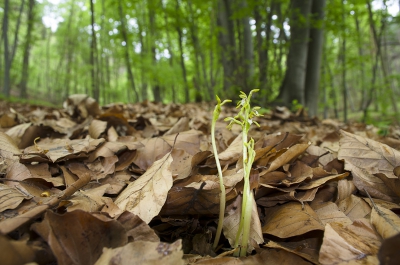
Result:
pixel 154 149
pixel 307 248
pixel 17 132
pixel 233 152
pixel 341 244
pixel 79 237
pixel 329 212
pixel 386 222
pixel 10 197
pixel 345 189
pixel 354 207
pixel 286 157
pixel 136 229
pixel 8 147
pixel 363 180
pixel 96 128
pixel 146 196
pixel 57 150
pixel 90 200
pixel 368 154
pixel 143 253
pixel 291 219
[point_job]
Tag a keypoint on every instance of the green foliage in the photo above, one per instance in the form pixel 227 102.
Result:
pixel 60 59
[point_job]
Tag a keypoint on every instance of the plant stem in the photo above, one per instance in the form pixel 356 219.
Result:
pixel 222 200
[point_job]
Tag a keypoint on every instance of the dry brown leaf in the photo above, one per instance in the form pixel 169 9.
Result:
pixel 136 229
pixel 90 236
pixel 96 128
pixel 364 181
pixel 144 253
pixel 329 212
pixel 385 221
pixel 182 164
pixel 345 189
pixel 17 132
pixel 89 201
pixel 146 196
pixel 154 149
pixel 233 152
pixel 290 154
pixel 342 244
pixel 291 219
pixel 354 207
pixel 57 150
pixel 10 197
pixel 307 248
pixel 8 147
pixel 372 156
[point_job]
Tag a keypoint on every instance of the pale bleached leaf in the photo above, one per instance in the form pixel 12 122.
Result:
pixel 146 196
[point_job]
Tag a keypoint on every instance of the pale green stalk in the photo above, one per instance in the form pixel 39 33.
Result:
pixel 244 119
pixel 222 199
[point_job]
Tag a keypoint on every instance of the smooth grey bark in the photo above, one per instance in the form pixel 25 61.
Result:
pixel 153 36
pixel 226 38
pixel 27 48
pixel 248 52
pixel 200 64
pixel 143 53
pixel 314 57
pixel 263 48
pixel 344 70
pixel 70 43
pixel 169 47
pixel 182 59
pixel 93 56
pixel 293 86
pixel 6 85
pixel 127 56
pixel 15 43
pixel 361 62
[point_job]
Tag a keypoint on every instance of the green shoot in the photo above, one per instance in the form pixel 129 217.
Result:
pixel 217 111
pixel 244 119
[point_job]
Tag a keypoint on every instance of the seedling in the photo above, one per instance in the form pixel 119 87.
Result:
pixel 245 119
pixel 222 199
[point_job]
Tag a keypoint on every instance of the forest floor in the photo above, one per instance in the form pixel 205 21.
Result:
pixel 138 184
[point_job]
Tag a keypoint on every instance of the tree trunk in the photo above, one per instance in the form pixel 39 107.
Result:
pixel 15 44
pixel 182 59
pixel 27 48
pixel 314 58
pixel 361 62
pixel 70 43
pixel 93 57
pixel 169 48
pixel 226 39
pixel 248 52
pixel 344 70
pixel 153 36
pixel 6 88
pixel 293 85
pixel 127 57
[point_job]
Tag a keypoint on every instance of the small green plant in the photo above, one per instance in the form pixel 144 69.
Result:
pixel 245 119
pixel 296 105
pixel 222 199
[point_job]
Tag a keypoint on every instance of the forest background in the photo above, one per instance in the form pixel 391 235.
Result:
pixel 338 59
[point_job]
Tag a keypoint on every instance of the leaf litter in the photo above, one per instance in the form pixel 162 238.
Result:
pixel 138 184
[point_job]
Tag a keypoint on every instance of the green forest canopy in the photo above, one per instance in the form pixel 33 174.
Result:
pixel 333 57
